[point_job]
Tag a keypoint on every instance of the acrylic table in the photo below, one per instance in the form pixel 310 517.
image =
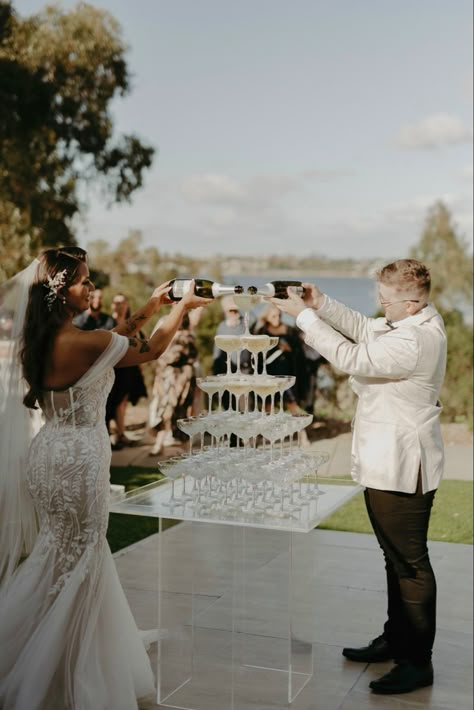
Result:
pixel 228 587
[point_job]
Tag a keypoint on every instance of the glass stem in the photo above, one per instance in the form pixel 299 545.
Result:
pixel 238 371
pixel 246 322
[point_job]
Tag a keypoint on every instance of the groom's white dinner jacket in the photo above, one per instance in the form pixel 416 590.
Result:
pixel 397 370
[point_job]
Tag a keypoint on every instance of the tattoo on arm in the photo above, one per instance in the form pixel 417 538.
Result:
pixel 139 343
pixel 133 323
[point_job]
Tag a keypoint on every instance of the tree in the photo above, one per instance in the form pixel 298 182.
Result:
pixel 59 72
pixel 446 255
pixel 456 395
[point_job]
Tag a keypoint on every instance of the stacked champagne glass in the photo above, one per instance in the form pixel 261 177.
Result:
pixel 268 474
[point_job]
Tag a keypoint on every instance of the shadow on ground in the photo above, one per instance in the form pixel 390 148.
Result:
pixel 327 429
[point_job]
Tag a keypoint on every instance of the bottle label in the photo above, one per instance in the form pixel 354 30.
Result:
pixel 180 287
pixel 298 290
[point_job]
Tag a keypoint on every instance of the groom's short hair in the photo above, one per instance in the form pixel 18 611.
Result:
pixel 406 275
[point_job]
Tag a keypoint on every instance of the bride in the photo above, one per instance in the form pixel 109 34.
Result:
pixel 68 640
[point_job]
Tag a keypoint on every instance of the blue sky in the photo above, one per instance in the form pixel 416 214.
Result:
pixel 304 127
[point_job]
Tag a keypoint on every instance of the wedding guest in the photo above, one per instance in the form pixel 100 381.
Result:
pixel 397 366
pixel 129 385
pixel 94 317
pixel 308 380
pixel 195 317
pixel 231 324
pixel 174 387
pixel 67 635
pixel 288 357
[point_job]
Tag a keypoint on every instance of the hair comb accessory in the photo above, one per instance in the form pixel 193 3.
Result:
pixel 54 285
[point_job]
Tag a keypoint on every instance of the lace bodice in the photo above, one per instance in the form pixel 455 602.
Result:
pixel 83 404
pixel 79 406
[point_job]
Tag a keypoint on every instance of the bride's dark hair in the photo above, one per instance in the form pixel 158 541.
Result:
pixel 46 312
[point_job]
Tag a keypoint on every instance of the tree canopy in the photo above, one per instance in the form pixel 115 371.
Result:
pixel 446 254
pixel 59 72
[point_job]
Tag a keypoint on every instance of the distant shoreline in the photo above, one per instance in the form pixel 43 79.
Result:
pixel 303 273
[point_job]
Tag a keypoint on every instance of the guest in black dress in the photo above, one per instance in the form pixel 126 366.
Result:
pixel 129 385
pixel 287 358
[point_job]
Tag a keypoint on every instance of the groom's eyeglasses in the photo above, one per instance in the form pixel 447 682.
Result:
pixel 405 300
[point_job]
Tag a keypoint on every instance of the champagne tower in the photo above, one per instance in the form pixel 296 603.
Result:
pixel 247 460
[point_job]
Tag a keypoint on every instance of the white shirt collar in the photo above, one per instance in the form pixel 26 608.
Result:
pixel 426 313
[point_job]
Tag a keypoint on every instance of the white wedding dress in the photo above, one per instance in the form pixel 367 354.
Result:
pixel 68 640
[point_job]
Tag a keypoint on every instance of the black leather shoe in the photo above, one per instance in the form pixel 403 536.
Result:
pixel 377 651
pixel 403 679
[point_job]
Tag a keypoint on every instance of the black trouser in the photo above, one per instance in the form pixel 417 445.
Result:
pixel 400 522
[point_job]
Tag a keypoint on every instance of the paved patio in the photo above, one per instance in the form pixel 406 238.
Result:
pixel 341 601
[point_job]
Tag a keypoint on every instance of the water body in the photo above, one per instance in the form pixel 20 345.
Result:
pixel 359 293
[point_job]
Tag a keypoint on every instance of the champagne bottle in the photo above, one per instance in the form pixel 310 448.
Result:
pixel 277 289
pixel 202 287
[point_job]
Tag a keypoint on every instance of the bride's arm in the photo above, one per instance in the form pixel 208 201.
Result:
pixel 89 345
pixel 136 321
pixel 141 351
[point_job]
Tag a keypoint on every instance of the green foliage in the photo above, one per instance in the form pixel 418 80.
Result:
pixel 16 244
pixel 59 72
pixel 456 395
pixel 446 254
pixel 451 517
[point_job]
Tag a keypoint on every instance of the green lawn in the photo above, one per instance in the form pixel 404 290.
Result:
pixel 451 519
pixel 124 530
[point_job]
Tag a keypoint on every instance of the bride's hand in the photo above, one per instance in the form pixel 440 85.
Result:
pixel 190 300
pixel 160 294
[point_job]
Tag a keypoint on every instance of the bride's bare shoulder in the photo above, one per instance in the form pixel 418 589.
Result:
pixel 90 343
pixel 74 352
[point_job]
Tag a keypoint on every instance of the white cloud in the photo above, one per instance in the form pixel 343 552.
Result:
pixel 212 189
pixel 326 175
pixel 267 189
pixel 209 213
pixel 406 218
pixel 258 192
pixel 434 131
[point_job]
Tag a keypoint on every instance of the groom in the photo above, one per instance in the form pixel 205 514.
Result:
pixel 397 366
